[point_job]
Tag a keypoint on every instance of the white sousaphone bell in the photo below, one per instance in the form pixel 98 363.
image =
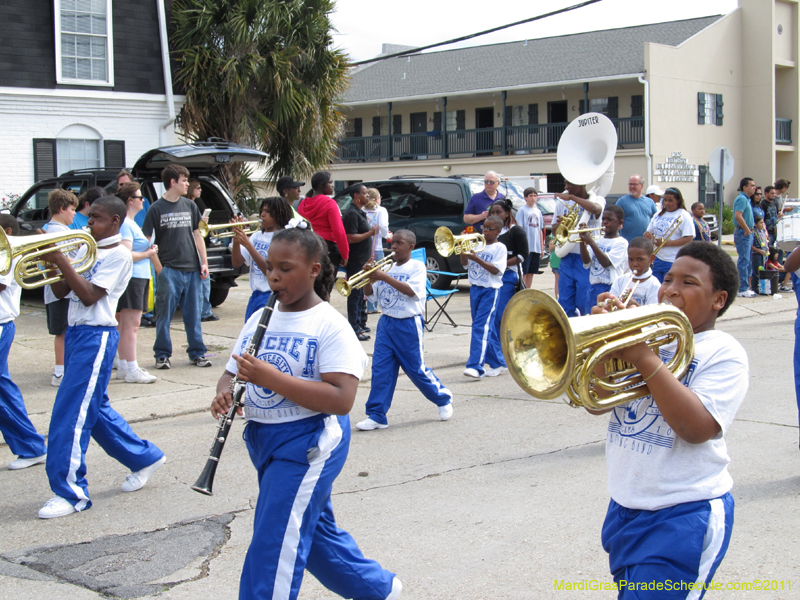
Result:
pixel 585 155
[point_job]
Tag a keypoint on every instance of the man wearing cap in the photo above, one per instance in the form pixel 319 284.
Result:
pixel 290 189
pixel 638 209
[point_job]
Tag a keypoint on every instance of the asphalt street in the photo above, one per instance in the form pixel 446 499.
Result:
pixel 505 500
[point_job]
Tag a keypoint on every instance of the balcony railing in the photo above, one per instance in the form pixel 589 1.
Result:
pixel 526 139
pixel 783 131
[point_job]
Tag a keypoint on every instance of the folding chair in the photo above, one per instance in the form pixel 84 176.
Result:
pixel 440 297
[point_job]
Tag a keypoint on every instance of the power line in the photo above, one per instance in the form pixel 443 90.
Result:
pixel 474 35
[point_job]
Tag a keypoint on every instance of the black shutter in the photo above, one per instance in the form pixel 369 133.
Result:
pixel 461 119
pixel 357 127
pixel 114 152
pixel 701 108
pixel 613 107
pixel 533 114
pixel 720 104
pixel 701 183
pixel 397 124
pixel 637 106
pixel 376 126
pixel 338 186
pixel 44 159
pixel 437 121
pixel 581 108
pixel 508 118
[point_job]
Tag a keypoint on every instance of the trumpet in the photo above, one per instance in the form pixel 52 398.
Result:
pixel 359 280
pixel 564 236
pixel 675 224
pixel 549 354
pixel 30 270
pixel 446 243
pixel 206 229
pixel 625 297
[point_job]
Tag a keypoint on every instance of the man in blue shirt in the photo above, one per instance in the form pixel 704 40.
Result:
pixel 478 206
pixel 743 234
pixel 638 209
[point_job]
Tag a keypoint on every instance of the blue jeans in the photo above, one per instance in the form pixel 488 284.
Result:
pixel 205 301
pixel 178 288
pixel 744 245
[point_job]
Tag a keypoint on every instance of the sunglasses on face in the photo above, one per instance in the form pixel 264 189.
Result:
pixel 488 182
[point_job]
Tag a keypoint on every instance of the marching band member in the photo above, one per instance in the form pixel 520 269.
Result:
pixel 672 209
pixel 604 257
pixel 639 280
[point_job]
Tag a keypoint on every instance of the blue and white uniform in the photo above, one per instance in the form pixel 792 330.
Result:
pixel 258 280
pixel 659 225
pixel 398 342
pixel 82 408
pixel 298 453
pixel 600 278
pixel 671 512
pixel 646 292
pixel 796 287
pixel 484 346
pixel 17 429
pixel 573 279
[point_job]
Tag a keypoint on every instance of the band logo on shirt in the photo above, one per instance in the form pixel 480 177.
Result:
pixel 176 220
pixel 389 296
pixel 476 271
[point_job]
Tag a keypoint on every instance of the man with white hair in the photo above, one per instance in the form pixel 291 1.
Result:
pixel 478 206
pixel 638 209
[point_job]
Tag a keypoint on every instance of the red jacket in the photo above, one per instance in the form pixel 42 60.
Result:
pixel 326 220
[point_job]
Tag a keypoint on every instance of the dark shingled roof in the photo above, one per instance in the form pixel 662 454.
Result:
pixel 564 58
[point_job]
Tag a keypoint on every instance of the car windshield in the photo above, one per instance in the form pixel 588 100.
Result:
pixel 508 188
pixel 547 205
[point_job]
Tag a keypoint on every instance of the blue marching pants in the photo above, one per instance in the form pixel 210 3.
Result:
pixel 17 429
pixel 595 290
pixel 258 300
pixel 573 285
pixel 398 343
pixel 661 268
pixel 483 346
pixel 508 290
pixel 82 409
pixel 796 287
pixel 677 546
pixel 294 527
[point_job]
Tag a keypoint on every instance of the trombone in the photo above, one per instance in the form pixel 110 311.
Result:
pixel 446 243
pixel 664 238
pixel 206 229
pixel 359 280
pixel 30 270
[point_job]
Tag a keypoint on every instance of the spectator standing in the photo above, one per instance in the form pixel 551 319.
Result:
pixel 530 219
pixel 377 216
pixel 319 209
pixel 174 220
pixel 478 206
pixel 195 191
pixel 289 189
pixel 638 209
pixel 755 201
pixel 770 209
pixel 359 236
pixel 782 194
pixel 84 202
pixel 760 251
pixel 702 232
pixel 124 177
pixel 743 234
pixel 655 194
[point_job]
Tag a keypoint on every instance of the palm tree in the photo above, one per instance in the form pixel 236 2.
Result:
pixel 262 73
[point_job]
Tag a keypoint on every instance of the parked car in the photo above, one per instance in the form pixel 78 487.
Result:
pixel 203 159
pixel 422 204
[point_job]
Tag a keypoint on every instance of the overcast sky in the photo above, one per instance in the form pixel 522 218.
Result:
pixel 364 25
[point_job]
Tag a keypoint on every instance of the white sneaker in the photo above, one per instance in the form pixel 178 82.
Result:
pixel 397 589
pixel 747 294
pixel 56 507
pixel 445 412
pixel 472 373
pixel 116 363
pixel 136 480
pixel 56 380
pixel 122 373
pixel 24 463
pixel 140 375
pixel 495 371
pixel 368 425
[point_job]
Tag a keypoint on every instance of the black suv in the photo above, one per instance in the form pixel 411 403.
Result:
pixel 203 159
pixel 423 204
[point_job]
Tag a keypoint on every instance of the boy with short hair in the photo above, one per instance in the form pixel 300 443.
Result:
pixel 760 251
pixel 62 205
pixel 529 217
pixel 15 426
pixel 605 256
pixel 398 340
pixel 640 259
pixel 486 278
pixel 82 409
pixel 671 511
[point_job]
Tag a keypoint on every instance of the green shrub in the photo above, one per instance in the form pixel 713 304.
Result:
pixel 727 227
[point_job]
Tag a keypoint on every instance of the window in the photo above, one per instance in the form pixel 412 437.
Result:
pixel 380 126
pixel 84 48
pixel 352 128
pixel 519 116
pixel 604 106
pixel 398 197
pixel 77 154
pixel 439 200
pixel 709 109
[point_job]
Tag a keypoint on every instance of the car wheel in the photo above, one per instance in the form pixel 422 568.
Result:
pixel 435 262
pixel 217 295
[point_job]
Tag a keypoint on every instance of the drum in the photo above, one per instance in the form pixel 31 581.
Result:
pixel 787 234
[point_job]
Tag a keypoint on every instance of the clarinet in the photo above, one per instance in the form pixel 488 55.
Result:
pixel 205 482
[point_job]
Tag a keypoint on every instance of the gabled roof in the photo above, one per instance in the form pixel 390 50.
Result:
pixel 592 55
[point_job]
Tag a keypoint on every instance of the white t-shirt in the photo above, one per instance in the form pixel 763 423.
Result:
pixel 530 219
pixel 261 241
pixel 649 467
pixel 56 227
pixel 305 345
pixel 659 225
pixel 9 297
pixel 494 254
pixel 646 292
pixel 593 222
pixel 616 249
pixel 111 271
pixel 395 304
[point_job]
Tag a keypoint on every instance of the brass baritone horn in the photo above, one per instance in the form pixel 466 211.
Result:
pixel 549 354
pixel 30 271
pixel 359 280
pixel 446 243
pixel 565 236
pixel 206 229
